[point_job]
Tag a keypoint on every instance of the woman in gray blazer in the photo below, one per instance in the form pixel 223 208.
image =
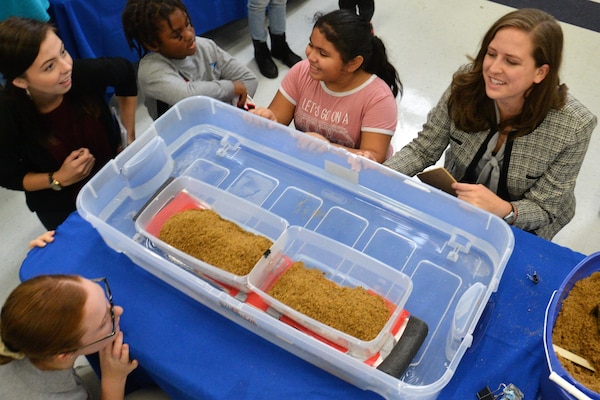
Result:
pixel 514 138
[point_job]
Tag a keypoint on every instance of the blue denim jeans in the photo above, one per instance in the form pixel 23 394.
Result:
pixel 257 18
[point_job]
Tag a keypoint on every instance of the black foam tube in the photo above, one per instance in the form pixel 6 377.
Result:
pixel 404 351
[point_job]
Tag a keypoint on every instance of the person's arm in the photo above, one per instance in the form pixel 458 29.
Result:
pixel 160 79
pixel 378 121
pixel 127 108
pixel 280 110
pixel 99 74
pixel 547 180
pixel 115 365
pixel 14 163
pixel 77 166
pixel 124 81
pixel 427 148
pixel 373 146
pixel 232 69
pixel 482 197
pixel 33 181
pixel 542 202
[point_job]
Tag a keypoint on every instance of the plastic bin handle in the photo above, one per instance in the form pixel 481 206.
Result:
pixel 571 389
pixel 147 169
pixel 546 316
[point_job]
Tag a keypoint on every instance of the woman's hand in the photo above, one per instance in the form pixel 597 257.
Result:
pixel 77 166
pixel 374 146
pixel 115 365
pixel 42 240
pixel 265 113
pixel 482 197
pixel 367 154
pixel 114 359
pixel 318 136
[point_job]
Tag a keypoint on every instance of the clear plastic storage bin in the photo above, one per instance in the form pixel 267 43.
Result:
pixel 454 253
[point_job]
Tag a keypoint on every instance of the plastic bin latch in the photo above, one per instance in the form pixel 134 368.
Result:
pixel 456 245
pixel 229 147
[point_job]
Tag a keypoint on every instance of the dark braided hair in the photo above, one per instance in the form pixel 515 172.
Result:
pixel 352 36
pixel 141 18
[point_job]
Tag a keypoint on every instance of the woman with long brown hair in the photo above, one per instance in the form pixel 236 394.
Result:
pixel 57 129
pixel 512 135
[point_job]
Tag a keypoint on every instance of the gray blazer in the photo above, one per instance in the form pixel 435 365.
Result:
pixel 541 169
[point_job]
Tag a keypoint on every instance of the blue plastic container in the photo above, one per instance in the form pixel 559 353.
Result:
pixel 567 388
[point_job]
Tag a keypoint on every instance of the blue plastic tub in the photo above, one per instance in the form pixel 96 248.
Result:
pixel 559 384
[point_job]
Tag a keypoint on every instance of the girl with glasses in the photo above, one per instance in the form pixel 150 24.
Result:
pixel 45 324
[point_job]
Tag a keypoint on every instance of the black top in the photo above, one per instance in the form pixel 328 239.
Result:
pixel 24 131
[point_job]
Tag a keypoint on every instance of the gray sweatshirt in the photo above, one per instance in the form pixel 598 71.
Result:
pixel 209 72
pixel 20 379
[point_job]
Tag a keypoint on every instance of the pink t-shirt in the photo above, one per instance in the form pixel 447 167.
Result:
pixel 340 116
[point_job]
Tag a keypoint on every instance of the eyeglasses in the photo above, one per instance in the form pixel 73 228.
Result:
pixel 112 312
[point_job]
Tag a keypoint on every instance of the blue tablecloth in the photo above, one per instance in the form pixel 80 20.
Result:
pixel 92 28
pixel 193 352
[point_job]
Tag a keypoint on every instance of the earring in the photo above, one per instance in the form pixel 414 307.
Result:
pixel 27 92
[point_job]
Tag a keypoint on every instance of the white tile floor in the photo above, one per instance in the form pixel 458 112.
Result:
pixel 426 41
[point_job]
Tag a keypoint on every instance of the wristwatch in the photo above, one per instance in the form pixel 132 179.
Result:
pixel 510 217
pixel 54 184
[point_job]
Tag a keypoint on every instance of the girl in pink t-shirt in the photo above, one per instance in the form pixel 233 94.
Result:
pixel 344 92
